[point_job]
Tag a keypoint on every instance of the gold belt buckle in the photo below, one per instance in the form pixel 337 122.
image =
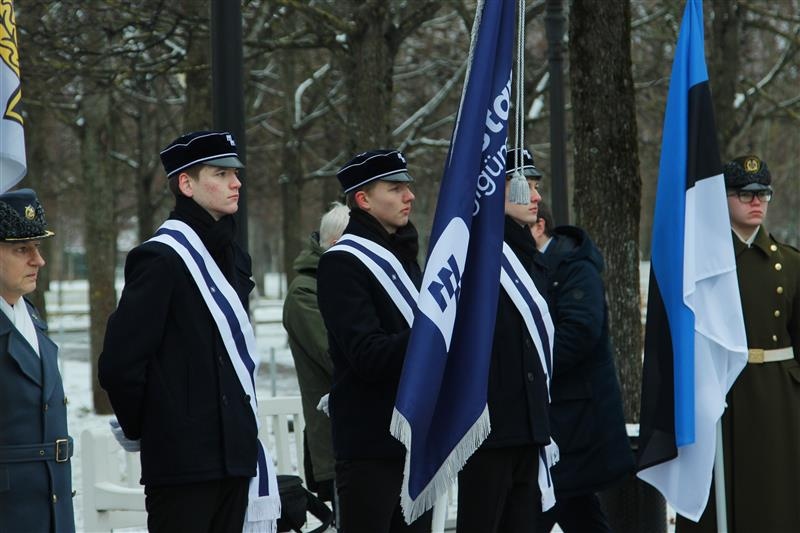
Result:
pixel 59 443
pixel 755 355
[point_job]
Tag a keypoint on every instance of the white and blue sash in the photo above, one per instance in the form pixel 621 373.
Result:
pixel 387 270
pixel 519 286
pixel 239 339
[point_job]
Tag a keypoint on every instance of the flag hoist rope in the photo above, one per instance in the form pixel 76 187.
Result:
pixel 520 192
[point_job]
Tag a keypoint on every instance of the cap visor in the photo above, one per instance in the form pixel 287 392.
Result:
pixel 225 162
pixel 47 233
pixel 756 187
pixel 400 176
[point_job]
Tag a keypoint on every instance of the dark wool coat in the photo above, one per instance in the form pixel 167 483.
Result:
pixel 761 426
pixel 35 489
pixel 517 393
pixel 308 341
pixel 166 370
pixel 367 336
pixel 586 414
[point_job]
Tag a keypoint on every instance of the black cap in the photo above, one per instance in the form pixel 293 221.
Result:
pixel 22 217
pixel 748 173
pixel 528 169
pixel 215 148
pixel 386 165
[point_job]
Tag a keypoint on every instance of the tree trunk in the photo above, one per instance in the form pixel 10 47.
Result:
pixel 37 136
pixel 724 70
pixel 101 228
pixel 367 66
pixel 607 181
pixel 292 172
pixel 145 208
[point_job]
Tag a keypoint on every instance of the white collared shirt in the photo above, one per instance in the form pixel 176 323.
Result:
pixel 748 241
pixel 19 316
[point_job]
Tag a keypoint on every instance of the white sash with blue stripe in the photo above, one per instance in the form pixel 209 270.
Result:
pixel 519 286
pixel 387 270
pixel 239 339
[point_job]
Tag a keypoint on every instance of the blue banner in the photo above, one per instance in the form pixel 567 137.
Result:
pixel 441 414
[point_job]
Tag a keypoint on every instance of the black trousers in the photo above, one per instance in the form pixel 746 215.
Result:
pixel 498 491
pixel 578 514
pixel 369 498
pixel 217 506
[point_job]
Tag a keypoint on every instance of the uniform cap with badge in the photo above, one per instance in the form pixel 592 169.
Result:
pixel 215 148
pixel 385 165
pixel 748 173
pixel 525 164
pixel 22 217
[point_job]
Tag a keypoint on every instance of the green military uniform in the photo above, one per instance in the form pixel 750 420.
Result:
pixel 761 427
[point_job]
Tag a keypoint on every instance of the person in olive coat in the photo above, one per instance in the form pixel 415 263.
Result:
pixel 35 446
pixel 498 489
pixel 164 364
pixel 586 414
pixel 308 342
pixel 761 426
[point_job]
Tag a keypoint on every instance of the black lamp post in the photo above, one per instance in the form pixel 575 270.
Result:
pixel 554 28
pixel 228 90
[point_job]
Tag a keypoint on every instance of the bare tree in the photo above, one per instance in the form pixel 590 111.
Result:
pixel 607 183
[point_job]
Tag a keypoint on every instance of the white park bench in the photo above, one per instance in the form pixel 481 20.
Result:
pixel 114 499
pixel 112 496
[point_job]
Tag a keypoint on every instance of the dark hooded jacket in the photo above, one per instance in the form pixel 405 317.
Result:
pixel 586 411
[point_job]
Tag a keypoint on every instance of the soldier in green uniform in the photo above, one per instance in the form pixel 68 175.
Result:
pixel 761 427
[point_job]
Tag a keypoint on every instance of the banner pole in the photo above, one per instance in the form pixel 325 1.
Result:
pixel 719 483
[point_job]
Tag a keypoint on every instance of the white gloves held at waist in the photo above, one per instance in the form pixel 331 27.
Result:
pixel 127 444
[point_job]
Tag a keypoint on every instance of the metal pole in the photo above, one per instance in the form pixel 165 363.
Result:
pixel 554 28
pixel 228 91
pixel 719 484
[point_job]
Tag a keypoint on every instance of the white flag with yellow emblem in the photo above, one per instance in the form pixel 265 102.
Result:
pixel 12 138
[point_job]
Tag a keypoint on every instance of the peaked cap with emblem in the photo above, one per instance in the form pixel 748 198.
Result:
pixel 527 167
pixel 22 217
pixel 747 173
pixel 216 148
pixel 386 165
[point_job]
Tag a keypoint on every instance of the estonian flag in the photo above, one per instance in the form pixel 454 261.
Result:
pixel 441 414
pixel 695 342
pixel 12 138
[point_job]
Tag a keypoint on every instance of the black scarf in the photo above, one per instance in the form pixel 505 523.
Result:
pixel 217 235
pixel 404 243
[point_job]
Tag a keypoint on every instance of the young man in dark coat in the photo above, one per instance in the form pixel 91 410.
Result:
pixel 761 426
pixel 367 284
pixel 586 415
pixel 164 365
pixel 498 490
pixel 35 447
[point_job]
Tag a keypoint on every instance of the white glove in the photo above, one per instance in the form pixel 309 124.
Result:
pixel 127 444
pixel 323 405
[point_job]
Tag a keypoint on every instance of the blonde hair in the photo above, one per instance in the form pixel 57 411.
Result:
pixel 332 224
